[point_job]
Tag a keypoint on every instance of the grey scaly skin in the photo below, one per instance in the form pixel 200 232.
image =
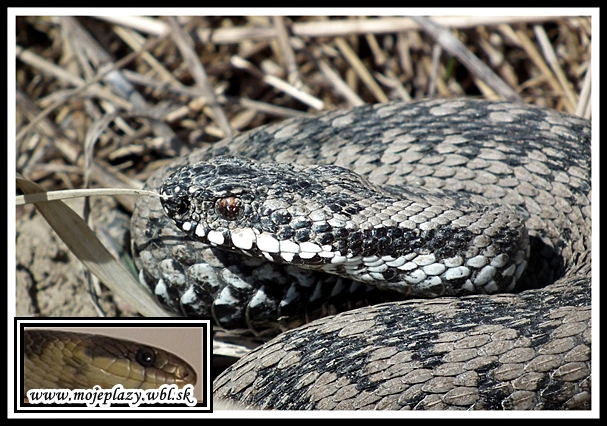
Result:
pixel 527 350
pixel 327 218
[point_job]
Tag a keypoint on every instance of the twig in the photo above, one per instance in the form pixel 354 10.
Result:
pixel 443 37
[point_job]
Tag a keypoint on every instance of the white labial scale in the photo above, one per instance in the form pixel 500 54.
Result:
pixel 351 266
pixel 186 226
pixel 288 246
pixel 243 238
pixel 338 259
pixel 491 287
pixel 366 277
pixel 309 247
pixel 328 267
pixel 267 243
pixel 200 231
pixel 288 257
pixel 511 285
pixel 215 237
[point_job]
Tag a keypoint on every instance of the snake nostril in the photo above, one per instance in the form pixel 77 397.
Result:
pixel 146 357
pixel 181 208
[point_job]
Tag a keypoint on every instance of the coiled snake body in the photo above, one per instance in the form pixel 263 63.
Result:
pixel 526 350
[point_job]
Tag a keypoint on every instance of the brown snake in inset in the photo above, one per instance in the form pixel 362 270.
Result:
pixel 66 360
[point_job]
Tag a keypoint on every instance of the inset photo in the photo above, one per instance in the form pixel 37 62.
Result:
pixel 111 364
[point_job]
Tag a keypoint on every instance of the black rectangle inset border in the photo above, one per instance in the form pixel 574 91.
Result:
pixel 181 336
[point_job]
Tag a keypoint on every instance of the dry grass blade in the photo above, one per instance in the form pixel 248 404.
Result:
pixel 279 84
pixel 475 65
pixel 83 243
pixel 39 197
pixel 101 75
pixel 584 108
pixel 360 69
pixel 200 75
pixel 550 56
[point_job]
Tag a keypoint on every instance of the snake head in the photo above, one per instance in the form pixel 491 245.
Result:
pixel 222 193
pixel 240 205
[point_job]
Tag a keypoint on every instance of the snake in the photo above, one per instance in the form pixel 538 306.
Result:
pixel 54 359
pixel 375 243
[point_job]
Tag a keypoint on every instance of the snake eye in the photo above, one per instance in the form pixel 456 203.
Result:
pixel 146 357
pixel 228 207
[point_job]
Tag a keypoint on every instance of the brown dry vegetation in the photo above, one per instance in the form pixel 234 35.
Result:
pixel 112 101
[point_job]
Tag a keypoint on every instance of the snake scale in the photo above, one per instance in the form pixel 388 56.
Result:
pixel 526 350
